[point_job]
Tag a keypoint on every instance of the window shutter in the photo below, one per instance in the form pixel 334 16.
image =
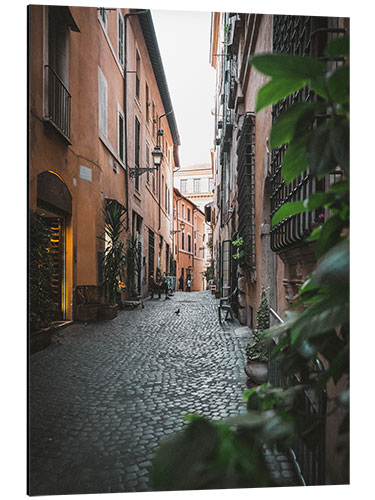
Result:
pixel 103 104
pixel 121 39
pixel 121 136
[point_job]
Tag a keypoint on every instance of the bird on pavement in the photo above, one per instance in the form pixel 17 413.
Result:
pixel 178 311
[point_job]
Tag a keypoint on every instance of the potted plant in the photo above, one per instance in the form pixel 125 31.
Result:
pixel 113 257
pixel 256 367
pixel 42 308
pixel 133 261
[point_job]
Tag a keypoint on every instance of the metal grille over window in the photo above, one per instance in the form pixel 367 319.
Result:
pixel 304 36
pixel 246 187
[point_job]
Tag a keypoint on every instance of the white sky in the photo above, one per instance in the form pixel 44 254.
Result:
pixel 184 43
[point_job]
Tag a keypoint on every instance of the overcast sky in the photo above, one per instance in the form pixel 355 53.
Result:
pixel 184 43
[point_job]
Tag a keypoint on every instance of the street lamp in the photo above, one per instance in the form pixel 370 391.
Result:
pixel 157 157
pixel 182 226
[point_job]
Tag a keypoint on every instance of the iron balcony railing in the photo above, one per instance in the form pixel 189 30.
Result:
pixel 58 104
pixel 309 462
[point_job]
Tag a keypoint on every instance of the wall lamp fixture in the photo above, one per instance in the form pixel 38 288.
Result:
pixel 182 226
pixel 157 156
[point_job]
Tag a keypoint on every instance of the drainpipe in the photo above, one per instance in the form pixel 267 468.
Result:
pixel 139 12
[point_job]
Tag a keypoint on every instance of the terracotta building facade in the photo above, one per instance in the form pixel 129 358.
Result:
pixel 95 118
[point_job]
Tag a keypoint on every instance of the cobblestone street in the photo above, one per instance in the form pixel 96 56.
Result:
pixel 102 396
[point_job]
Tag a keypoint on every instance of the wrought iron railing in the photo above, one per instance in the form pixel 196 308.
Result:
pixel 58 103
pixel 309 462
pixel 246 186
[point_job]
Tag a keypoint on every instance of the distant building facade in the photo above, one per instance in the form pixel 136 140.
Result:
pixel 190 248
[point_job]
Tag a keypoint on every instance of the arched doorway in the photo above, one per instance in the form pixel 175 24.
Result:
pixel 54 204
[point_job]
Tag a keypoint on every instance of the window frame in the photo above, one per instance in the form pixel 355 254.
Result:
pixel 121 142
pixel 120 39
pixel 102 111
pixel 137 75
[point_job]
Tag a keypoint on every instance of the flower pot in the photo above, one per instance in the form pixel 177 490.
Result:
pixel 109 311
pixel 40 339
pixel 87 312
pixel 257 371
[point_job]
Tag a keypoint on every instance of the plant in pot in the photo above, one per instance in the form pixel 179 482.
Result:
pixel 133 262
pixel 42 308
pixel 114 257
pixel 256 367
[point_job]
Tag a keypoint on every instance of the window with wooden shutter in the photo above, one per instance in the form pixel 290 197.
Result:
pixel 136 150
pixel 103 104
pixel 137 75
pixel 121 39
pixel 121 136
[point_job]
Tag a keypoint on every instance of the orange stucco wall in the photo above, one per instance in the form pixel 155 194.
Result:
pixel 89 49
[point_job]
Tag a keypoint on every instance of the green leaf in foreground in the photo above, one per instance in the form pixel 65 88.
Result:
pixel 295 159
pixel 275 90
pixel 287 66
pixel 338 47
pixel 290 121
pixel 287 210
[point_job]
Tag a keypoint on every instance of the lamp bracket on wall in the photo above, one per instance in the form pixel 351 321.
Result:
pixel 136 172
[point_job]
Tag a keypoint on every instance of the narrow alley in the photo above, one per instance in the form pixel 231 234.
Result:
pixel 105 394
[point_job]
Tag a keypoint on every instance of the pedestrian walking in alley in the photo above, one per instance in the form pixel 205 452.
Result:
pixel 188 284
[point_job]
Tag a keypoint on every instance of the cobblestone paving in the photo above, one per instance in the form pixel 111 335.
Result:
pixel 102 396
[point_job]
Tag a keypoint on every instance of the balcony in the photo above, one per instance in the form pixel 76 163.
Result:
pixel 58 103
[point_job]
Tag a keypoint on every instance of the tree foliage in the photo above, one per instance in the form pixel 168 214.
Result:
pixel 317 325
pixel 42 307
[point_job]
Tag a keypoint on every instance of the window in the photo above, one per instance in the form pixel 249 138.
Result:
pixel 166 197
pixel 136 150
pixel 183 211
pixel 103 104
pixel 210 184
pixel 189 242
pixel 103 17
pixel 153 182
pixel 147 104
pixel 58 98
pixel 153 120
pixel 197 185
pixel 121 39
pixel 183 185
pixel 188 214
pixel 137 74
pixel 121 136
pixel 147 162
pixel 183 241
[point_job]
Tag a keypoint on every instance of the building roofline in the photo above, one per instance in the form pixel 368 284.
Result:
pixel 180 195
pixel 148 30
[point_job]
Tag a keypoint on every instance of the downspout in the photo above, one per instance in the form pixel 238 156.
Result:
pixel 125 113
